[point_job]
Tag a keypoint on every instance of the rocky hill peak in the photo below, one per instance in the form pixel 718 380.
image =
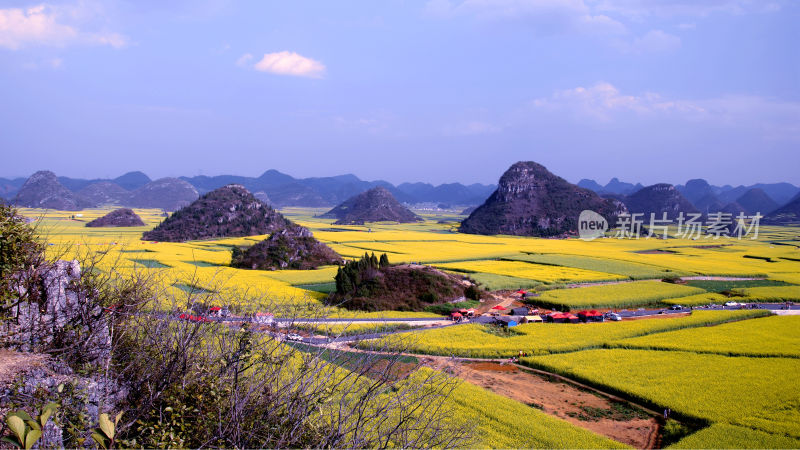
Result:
pixel 531 201
pixel 374 205
pixel 43 190
pixel 123 217
pixel 230 211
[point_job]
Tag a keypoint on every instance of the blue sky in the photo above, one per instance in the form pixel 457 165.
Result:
pixel 436 91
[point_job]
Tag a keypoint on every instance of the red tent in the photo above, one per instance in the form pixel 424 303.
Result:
pixel 572 318
pixel 521 292
pixel 499 307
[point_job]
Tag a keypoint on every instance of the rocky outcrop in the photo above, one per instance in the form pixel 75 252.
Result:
pixel 52 310
pixel 230 211
pixel 291 248
pixel 123 217
pixel 531 201
pixel 374 205
pixel 50 380
pixel 169 194
pixel 42 190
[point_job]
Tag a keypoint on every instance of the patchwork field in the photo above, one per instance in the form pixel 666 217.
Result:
pixel 757 393
pixel 769 336
pixel 479 341
pixel 731 374
pixel 637 293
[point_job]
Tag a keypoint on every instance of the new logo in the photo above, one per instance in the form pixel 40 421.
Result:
pixel 591 225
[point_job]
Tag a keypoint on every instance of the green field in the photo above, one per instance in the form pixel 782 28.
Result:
pixel 634 271
pixel 622 295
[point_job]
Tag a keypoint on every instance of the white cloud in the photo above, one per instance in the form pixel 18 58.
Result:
pixel 655 41
pixel 603 102
pixel 52 63
pixel 640 9
pixel 50 26
pixel 613 20
pixel 541 16
pixel 288 63
pixel 244 60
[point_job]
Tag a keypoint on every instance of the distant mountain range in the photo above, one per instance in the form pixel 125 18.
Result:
pixel 762 197
pixel 135 189
pixel 278 188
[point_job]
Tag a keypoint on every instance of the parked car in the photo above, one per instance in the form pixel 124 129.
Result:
pixel 294 337
pixel 613 316
pixel 732 304
pixel 676 307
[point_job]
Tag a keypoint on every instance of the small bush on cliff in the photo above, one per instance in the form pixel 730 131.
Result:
pixel 19 249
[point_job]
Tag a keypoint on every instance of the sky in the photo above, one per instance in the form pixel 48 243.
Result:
pixel 435 91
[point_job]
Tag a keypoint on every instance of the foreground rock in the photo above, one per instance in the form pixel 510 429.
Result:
pixel 42 190
pixel 291 248
pixel 51 305
pixel 374 205
pixel 123 217
pixel 230 211
pixel 531 201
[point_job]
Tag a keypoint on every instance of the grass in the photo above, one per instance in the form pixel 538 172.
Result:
pixel 151 263
pixel 325 288
pixel 531 271
pixel 494 282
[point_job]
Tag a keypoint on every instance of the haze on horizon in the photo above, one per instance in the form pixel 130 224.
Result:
pixel 436 91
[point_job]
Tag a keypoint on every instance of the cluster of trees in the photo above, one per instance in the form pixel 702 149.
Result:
pixel 352 279
pixel 185 384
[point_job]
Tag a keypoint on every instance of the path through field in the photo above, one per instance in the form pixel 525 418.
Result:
pixel 584 408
